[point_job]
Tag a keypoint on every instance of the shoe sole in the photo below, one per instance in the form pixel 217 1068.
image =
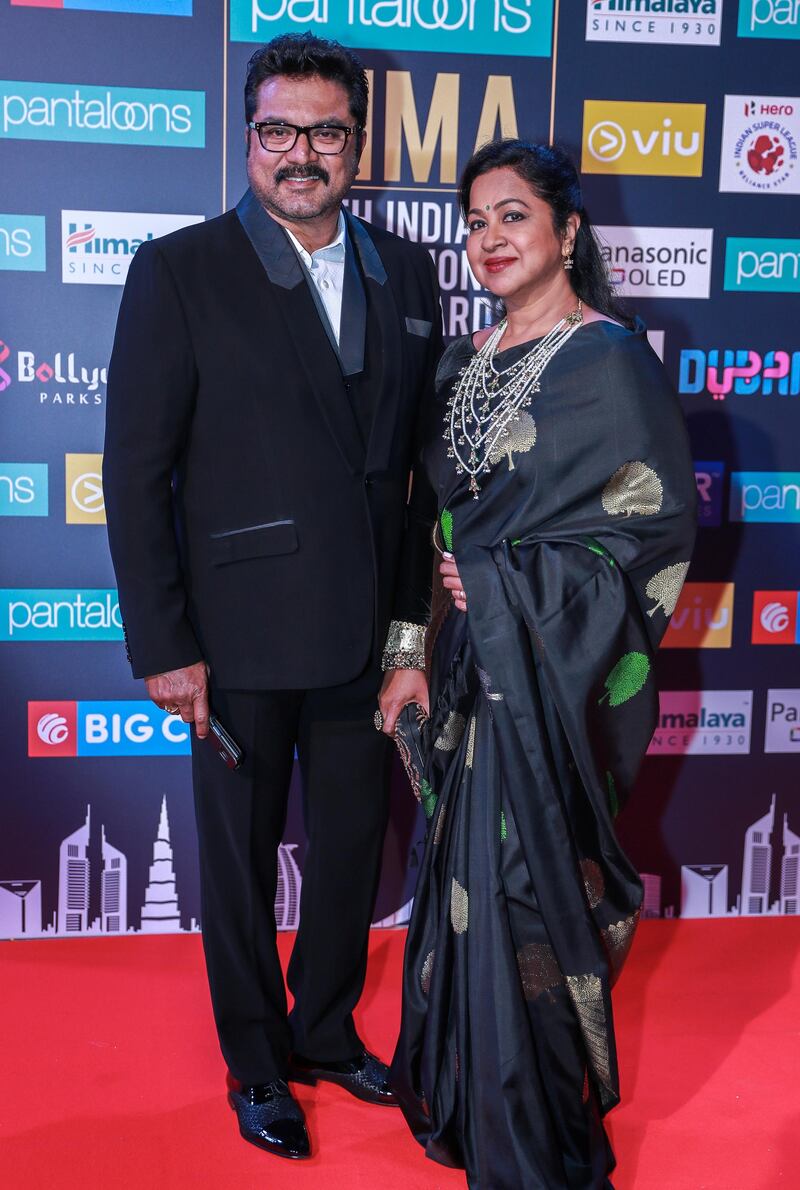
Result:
pixel 265 1146
pixel 310 1078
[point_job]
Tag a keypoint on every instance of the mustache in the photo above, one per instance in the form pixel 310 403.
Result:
pixel 302 171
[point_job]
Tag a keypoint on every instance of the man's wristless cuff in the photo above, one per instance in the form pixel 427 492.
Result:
pixel 405 646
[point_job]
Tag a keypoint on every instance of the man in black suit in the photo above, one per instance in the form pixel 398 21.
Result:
pixel 256 481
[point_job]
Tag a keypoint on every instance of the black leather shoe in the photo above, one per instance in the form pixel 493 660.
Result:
pixel 366 1076
pixel 270 1117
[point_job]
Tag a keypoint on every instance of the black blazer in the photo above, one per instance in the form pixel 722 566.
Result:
pixel 249 523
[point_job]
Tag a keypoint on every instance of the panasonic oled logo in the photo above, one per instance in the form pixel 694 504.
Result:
pixel 658 261
pixel 110 115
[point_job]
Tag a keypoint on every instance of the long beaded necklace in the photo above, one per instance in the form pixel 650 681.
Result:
pixel 486 400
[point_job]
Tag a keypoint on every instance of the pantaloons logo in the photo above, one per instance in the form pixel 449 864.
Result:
pixel 741 372
pixel 672 22
pixel 67 729
pixel 768 497
pixel 663 139
pixel 23 489
pixel 775 618
pixel 782 732
pixel 84 495
pixel 759 145
pixel 762 265
pixel 109 115
pixel 159 8
pixel 523 27
pixel 97 246
pixel 22 244
pixel 703 618
pixel 703 723
pixel 769 18
pixel 658 261
pixel 27 615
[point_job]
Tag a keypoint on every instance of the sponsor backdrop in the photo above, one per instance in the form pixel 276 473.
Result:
pixel 122 120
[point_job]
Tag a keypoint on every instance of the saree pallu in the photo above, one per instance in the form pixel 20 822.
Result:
pixel 543 702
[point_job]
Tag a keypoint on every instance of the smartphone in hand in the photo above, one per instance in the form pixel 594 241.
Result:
pixel 223 743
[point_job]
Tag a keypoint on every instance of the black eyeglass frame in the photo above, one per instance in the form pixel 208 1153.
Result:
pixel 304 129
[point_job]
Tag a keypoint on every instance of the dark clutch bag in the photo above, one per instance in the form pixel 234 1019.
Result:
pixel 411 737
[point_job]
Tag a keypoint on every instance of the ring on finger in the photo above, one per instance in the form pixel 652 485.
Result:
pixel 460 595
pixel 173 710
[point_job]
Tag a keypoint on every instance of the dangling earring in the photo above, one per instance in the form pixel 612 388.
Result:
pixel 568 260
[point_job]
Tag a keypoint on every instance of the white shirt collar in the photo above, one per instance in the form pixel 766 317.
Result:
pixel 333 251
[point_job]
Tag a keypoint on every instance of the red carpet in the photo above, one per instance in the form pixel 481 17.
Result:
pixel 112 1078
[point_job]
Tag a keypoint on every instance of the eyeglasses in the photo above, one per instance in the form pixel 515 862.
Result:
pixel 323 138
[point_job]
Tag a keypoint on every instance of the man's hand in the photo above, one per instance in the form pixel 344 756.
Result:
pixel 185 691
pixel 452 581
pixel 400 687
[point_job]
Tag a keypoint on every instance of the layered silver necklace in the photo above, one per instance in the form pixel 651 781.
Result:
pixel 487 400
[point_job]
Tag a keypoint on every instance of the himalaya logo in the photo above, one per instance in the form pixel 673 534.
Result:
pixel 97 246
pixel 688 22
pixel 679 7
pixel 703 723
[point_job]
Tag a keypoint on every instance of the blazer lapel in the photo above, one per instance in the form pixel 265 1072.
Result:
pixel 388 377
pixel 306 330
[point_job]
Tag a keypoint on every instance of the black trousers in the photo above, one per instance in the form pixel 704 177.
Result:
pixel 241 816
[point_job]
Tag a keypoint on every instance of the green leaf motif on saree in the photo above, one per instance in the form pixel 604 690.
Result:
pixel 503 827
pixel 665 587
pixel 598 549
pixel 518 438
pixel 613 799
pixel 428 798
pixel 446 521
pixel 626 679
pixel 634 487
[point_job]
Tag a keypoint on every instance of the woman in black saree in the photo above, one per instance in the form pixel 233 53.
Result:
pixel 561 474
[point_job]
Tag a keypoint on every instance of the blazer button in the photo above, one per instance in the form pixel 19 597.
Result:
pixel 367 483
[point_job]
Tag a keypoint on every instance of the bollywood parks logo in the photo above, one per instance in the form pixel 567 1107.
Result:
pixel 60 378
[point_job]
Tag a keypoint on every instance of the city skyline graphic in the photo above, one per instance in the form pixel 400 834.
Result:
pixel 704 887
pixel 21 900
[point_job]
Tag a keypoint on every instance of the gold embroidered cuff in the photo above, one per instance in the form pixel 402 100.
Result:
pixel 405 646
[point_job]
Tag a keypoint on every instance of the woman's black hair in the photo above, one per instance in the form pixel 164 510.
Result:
pixel 551 175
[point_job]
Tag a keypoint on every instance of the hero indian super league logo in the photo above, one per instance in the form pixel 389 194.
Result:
pixel 522 27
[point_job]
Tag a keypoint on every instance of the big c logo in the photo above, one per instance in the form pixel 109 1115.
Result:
pixel 775 619
pixel 109 115
pixel 59 729
pixel 664 139
pixel 703 618
pixel 762 265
